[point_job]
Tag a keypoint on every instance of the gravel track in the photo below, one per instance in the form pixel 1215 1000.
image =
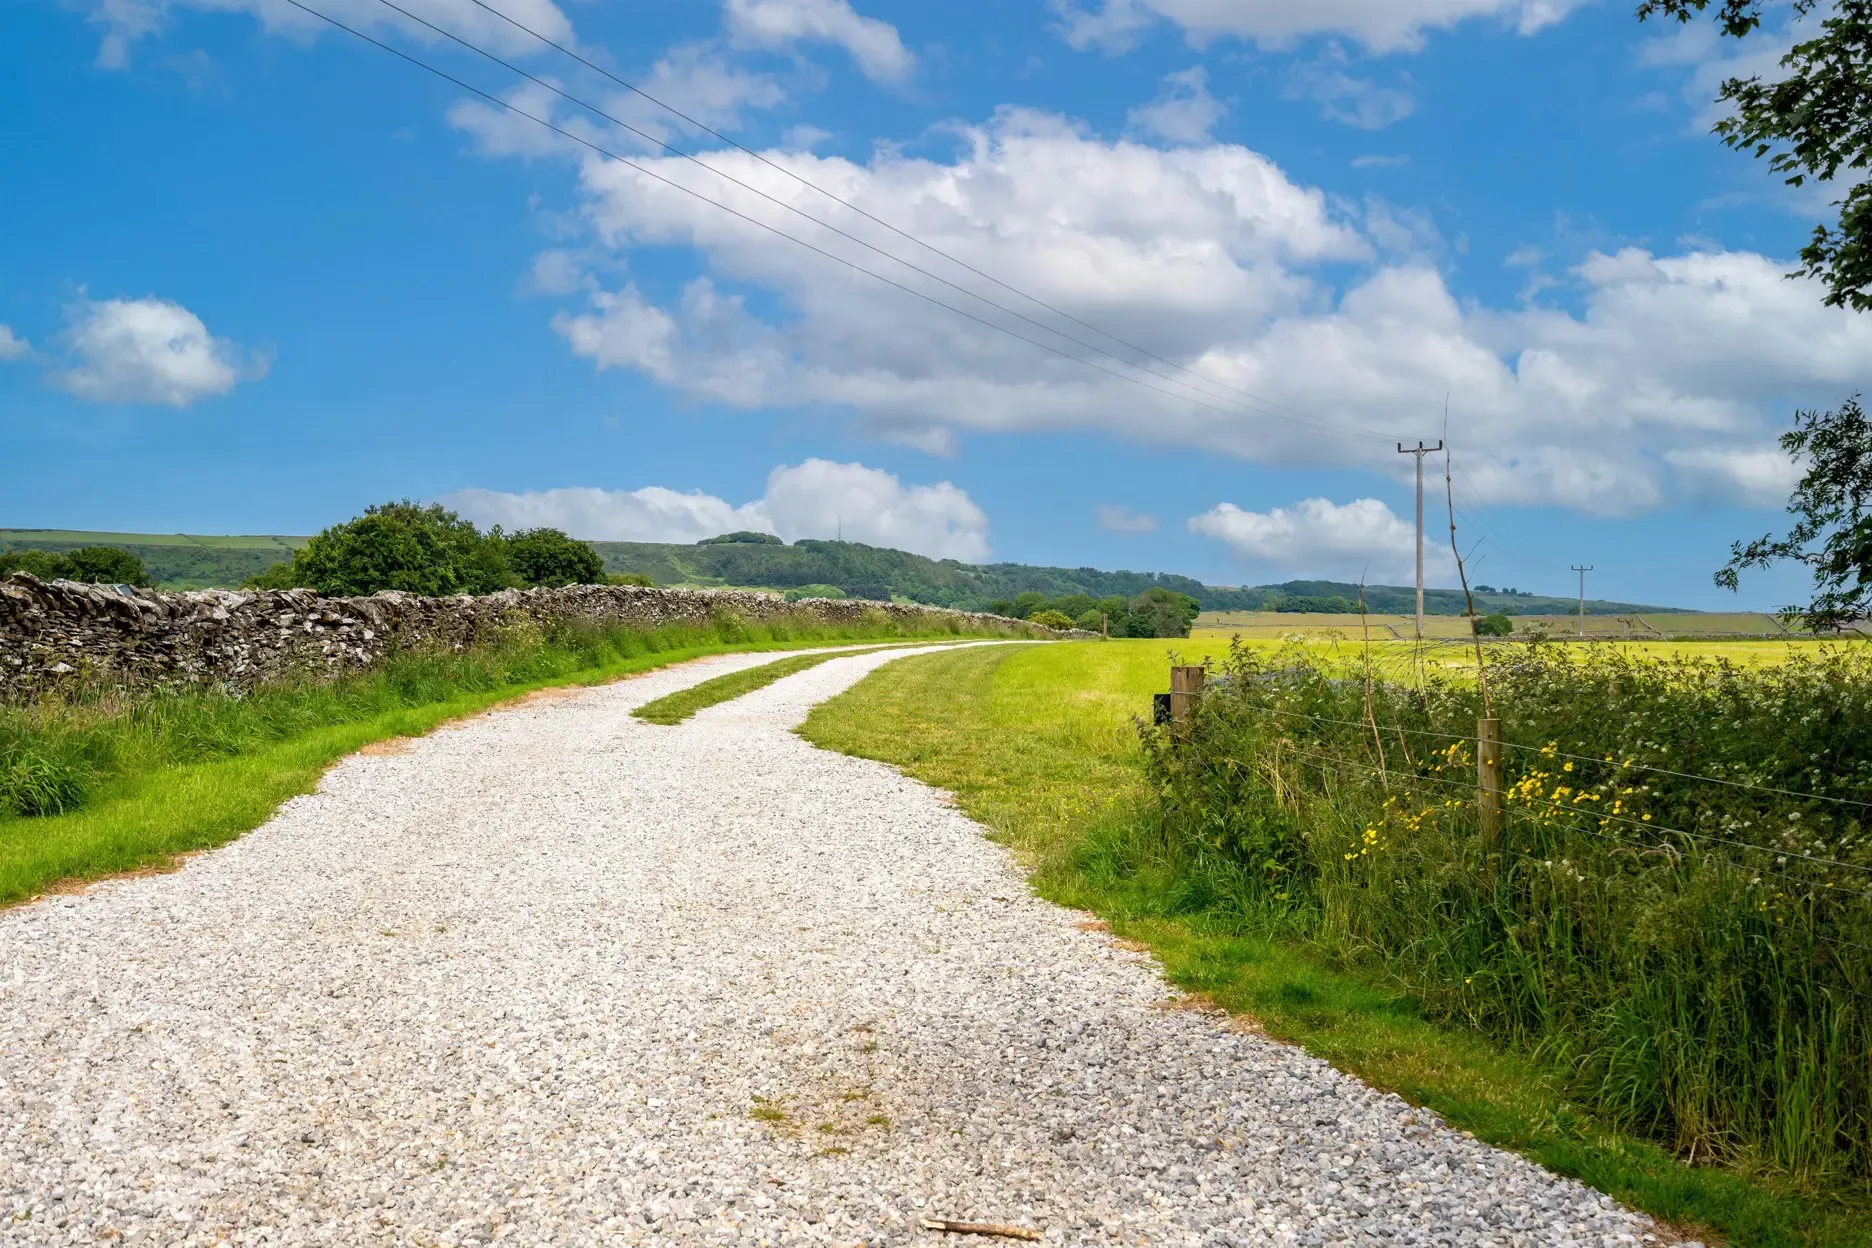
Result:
pixel 558 976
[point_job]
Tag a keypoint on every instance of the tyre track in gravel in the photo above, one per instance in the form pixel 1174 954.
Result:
pixel 558 976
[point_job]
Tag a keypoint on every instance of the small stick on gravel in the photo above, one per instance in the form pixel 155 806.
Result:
pixel 980 1228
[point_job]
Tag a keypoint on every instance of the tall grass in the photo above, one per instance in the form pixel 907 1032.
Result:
pixel 1694 948
pixel 58 754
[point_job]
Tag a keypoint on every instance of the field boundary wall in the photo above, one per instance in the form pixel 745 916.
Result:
pixel 61 632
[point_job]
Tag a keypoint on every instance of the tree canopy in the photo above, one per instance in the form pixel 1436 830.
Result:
pixel 99 565
pixel 549 557
pixel 1811 124
pixel 1832 529
pixel 432 551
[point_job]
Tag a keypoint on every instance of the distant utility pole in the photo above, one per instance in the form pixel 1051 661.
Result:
pixel 1420 450
pixel 1582 595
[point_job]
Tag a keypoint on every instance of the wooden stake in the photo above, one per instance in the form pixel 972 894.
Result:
pixel 1186 685
pixel 1489 798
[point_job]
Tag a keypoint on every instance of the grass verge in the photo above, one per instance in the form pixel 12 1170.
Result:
pixel 167 775
pixel 678 706
pixel 1037 744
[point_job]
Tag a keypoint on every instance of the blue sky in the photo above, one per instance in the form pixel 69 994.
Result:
pixel 257 274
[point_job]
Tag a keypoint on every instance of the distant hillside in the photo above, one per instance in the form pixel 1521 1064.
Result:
pixel 193 561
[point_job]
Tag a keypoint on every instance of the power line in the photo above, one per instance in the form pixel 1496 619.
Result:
pixel 845 203
pixel 850 264
pixel 673 150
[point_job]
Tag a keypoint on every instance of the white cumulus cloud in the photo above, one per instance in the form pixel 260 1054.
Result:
pixel 12 346
pixel 1184 112
pixel 124 22
pixel 651 514
pixel 1316 331
pixel 817 498
pixel 1380 25
pixel 1318 537
pixel 149 351
pixel 1752 476
pixel 779 24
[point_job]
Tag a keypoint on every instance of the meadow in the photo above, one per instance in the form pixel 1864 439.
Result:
pixel 1645 1016
pixel 104 780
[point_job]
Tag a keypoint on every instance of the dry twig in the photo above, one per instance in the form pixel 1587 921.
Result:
pixel 980 1228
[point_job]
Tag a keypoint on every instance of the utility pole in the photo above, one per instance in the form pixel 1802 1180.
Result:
pixel 1420 450
pixel 1582 595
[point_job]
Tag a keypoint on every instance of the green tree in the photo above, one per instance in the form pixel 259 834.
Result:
pixel 1092 621
pixel 404 546
pixel 1162 612
pixel 1495 625
pixel 1810 124
pixel 1832 510
pixel 1028 603
pixel 47 565
pixel 549 557
pixel 99 565
pixel 999 606
pixel 106 565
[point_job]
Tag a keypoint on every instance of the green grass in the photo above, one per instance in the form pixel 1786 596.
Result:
pixel 680 705
pixel 144 780
pixel 1038 744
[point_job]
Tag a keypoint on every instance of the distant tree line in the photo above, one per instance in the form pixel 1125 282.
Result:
pixel 1157 612
pixel 98 565
pixel 430 550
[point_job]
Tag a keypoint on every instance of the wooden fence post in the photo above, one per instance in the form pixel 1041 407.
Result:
pixel 1186 685
pixel 1489 796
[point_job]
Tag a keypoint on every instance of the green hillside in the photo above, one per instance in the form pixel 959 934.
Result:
pixel 196 561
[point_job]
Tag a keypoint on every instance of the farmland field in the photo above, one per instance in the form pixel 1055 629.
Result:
pixel 1277 625
pixel 1041 745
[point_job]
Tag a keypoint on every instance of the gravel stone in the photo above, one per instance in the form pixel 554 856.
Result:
pixel 558 976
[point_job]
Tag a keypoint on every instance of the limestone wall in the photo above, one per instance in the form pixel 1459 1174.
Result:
pixel 61 631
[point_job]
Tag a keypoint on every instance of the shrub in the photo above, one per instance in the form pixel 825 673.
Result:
pixel 631 578
pixel 1676 915
pixel 1049 618
pixel 548 557
pixel 1495 625
pixel 404 546
pixel 1092 621
pixel 1028 603
pixel 813 591
pixel 1160 612
pixel 45 564
pixel 98 565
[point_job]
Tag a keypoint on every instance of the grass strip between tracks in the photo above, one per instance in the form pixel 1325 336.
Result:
pixel 679 706
pixel 1037 743
pixel 146 819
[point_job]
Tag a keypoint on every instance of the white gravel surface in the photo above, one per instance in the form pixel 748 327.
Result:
pixel 558 976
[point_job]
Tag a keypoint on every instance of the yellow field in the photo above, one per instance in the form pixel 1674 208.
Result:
pixel 1396 660
pixel 1274 625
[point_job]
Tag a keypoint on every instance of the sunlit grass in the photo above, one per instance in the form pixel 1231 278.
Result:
pixel 111 782
pixel 1039 745
pixel 679 706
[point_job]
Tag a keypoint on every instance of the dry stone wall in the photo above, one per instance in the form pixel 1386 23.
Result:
pixel 62 631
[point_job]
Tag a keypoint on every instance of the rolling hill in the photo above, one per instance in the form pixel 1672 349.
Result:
pixel 196 561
